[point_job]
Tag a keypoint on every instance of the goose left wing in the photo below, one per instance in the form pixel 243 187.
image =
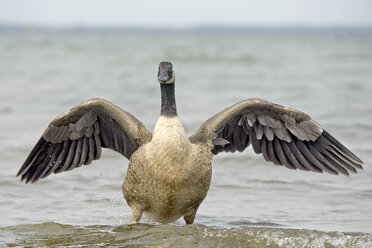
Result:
pixel 284 136
pixel 77 137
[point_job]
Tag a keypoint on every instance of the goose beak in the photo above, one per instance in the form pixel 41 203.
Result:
pixel 164 76
pixel 166 73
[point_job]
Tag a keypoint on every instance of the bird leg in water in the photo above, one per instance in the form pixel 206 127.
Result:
pixel 137 211
pixel 189 219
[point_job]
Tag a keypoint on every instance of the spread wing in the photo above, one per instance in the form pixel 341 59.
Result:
pixel 77 137
pixel 284 136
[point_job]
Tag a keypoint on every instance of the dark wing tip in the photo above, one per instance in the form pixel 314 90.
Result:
pixel 342 148
pixel 40 145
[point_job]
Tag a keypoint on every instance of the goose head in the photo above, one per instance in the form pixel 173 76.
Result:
pixel 166 73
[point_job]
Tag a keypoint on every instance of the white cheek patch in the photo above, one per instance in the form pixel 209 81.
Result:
pixel 171 80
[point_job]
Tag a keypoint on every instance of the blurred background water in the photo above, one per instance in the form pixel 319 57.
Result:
pixel 326 73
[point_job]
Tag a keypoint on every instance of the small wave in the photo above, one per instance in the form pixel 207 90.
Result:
pixel 366 126
pixel 273 181
pixel 250 223
pixel 144 235
pixel 6 109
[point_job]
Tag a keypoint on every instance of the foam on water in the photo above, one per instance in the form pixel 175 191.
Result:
pixel 141 235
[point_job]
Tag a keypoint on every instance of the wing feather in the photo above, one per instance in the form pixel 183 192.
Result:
pixel 45 166
pixel 69 158
pixel 61 158
pixel 281 155
pixel 291 156
pixel 272 153
pixel 324 160
pixel 300 157
pixel 342 162
pixel 84 151
pixel 284 136
pixel 305 151
pixel 77 155
pixel 259 130
pixel 91 149
pixel 33 155
pixel 39 160
pixel 77 137
pixel 334 159
pixel 269 134
pixel 336 144
pixel 342 156
pixel 264 151
pixel 98 144
pixel 256 144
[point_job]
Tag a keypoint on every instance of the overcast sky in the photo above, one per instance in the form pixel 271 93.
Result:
pixel 186 13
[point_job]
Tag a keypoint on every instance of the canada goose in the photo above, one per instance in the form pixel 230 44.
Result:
pixel 169 174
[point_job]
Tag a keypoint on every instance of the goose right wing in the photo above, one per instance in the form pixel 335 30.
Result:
pixel 77 137
pixel 284 136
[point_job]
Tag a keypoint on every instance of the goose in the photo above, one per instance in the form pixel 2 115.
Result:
pixel 169 174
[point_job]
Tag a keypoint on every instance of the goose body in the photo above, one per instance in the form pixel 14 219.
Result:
pixel 169 174
pixel 168 177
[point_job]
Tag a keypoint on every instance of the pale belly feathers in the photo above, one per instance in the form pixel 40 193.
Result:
pixel 168 176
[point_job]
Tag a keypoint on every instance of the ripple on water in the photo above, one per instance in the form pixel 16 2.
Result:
pixel 52 234
pixel 256 224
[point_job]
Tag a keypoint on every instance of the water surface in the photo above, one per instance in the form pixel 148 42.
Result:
pixel 325 73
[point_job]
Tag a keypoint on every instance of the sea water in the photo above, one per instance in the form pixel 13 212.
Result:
pixel 326 73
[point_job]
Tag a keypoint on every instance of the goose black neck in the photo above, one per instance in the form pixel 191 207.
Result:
pixel 168 100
